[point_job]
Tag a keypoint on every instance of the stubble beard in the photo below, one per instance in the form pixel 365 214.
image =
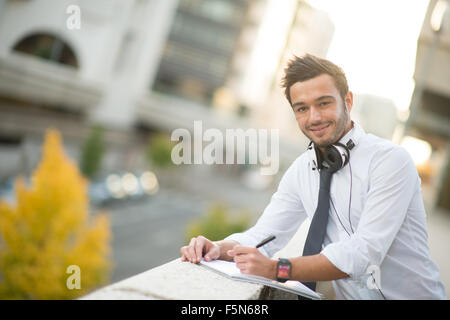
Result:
pixel 339 130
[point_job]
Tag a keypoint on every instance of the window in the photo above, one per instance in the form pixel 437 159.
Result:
pixel 48 47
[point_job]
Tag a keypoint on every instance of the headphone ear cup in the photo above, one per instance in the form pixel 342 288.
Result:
pixel 337 156
pixel 344 151
pixel 333 158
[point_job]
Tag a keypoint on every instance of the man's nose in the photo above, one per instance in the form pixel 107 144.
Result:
pixel 315 115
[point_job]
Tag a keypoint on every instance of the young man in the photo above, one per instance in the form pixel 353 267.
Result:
pixel 375 222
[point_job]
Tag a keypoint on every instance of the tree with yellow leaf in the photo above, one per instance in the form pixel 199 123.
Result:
pixel 49 230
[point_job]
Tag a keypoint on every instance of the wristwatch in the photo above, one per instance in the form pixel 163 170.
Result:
pixel 284 270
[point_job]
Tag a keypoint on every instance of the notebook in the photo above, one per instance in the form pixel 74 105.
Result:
pixel 229 270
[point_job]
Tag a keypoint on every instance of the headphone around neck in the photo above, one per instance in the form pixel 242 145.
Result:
pixel 336 155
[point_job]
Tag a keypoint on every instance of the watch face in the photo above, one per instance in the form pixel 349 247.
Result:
pixel 284 271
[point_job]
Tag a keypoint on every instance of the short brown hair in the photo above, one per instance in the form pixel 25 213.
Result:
pixel 306 67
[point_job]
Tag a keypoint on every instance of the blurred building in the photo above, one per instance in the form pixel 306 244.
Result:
pixel 201 64
pixel 54 75
pixel 376 115
pixel 429 118
pixel 198 54
pixel 144 64
pixel 310 31
pixel 79 69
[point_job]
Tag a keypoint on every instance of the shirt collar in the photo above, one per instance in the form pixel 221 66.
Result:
pixel 355 134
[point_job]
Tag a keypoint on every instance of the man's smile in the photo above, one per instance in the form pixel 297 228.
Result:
pixel 320 130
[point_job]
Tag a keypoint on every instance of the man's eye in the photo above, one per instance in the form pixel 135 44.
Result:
pixel 324 103
pixel 301 109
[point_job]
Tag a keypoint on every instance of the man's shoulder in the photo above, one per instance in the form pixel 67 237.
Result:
pixel 377 141
pixel 386 150
pixel 382 144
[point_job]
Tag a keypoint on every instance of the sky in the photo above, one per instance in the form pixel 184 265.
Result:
pixel 375 43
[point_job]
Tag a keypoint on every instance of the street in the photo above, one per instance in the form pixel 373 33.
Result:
pixel 149 232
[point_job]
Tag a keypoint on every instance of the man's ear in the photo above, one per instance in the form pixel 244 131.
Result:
pixel 349 101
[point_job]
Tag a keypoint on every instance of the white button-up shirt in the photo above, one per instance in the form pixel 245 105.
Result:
pixel 381 229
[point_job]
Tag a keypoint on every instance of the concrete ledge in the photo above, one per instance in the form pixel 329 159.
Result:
pixel 178 280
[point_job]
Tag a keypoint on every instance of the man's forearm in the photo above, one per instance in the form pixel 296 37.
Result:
pixel 226 245
pixel 315 268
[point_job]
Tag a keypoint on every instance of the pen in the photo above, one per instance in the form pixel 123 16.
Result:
pixel 265 241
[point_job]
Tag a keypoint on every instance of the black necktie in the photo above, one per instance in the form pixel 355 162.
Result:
pixel 318 227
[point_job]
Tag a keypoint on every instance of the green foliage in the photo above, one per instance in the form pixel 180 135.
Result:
pixel 218 223
pixel 92 152
pixel 159 150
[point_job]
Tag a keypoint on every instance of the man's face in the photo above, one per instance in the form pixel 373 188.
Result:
pixel 320 110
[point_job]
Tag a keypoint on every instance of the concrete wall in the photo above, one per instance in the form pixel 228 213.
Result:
pixel 178 280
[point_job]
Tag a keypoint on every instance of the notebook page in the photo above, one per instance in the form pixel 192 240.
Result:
pixel 226 267
pixel 230 269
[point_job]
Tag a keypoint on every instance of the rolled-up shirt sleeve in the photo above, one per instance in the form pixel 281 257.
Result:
pixel 282 217
pixel 393 182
